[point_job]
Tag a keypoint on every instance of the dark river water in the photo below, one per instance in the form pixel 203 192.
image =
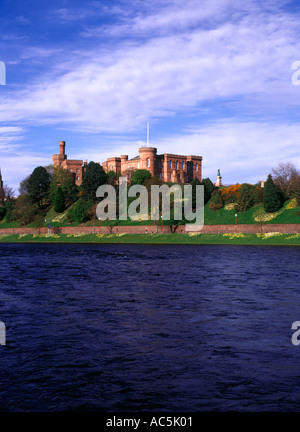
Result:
pixel 149 328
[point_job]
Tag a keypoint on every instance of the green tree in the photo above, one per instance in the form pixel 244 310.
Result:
pixel 66 181
pixel 2 212
pixel 80 210
pixel 272 200
pixel 216 202
pixel 24 210
pixel 93 177
pixel 8 211
pixel 209 187
pixel 245 198
pixel 113 177
pixel 297 190
pixel 23 189
pixel 172 222
pixel 195 182
pixel 59 200
pixel 38 184
pixel 140 176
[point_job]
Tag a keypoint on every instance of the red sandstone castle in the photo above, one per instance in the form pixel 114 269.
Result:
pixel 168 167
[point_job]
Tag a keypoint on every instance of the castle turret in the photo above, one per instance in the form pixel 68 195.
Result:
pixel 62 147
pixel 59 158
pixel 147 159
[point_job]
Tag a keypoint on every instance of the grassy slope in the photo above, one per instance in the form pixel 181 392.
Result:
pixel 217 217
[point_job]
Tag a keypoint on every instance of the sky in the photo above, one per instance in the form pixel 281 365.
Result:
pixel 213 78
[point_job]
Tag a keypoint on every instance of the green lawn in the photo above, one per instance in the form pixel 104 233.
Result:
pixel 234 239
pixel 222 216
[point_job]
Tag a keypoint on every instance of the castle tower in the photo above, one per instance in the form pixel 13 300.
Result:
pixel 147 159
pixel 59 158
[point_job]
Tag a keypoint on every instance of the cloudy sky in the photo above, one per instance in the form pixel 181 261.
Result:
pixel 212 77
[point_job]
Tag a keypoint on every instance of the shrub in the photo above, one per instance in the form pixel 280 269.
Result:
pixel 248 196
pixel 24 210
pixel 230 193
pixel 140 176
pixel 81 209
pixel 216 202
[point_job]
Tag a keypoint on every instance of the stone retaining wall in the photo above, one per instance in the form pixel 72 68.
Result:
pixel 150 229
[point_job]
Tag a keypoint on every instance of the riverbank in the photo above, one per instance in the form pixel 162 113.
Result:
pixel 274 238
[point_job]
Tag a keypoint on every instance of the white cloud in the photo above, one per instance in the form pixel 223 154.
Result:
pixel 159 59
pixel 117 90
pixel 245 152
pixel 17 163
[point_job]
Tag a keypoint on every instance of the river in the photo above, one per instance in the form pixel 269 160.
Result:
pixel 149 327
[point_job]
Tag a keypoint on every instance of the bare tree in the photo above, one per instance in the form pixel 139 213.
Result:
pixel 285 177
pixel 6 194
pixel 9 193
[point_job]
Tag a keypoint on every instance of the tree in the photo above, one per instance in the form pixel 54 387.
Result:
pixel 6 194
pixel 245 198
pixel 59 200
pixel 216 202
pixel 66 181
pixel 272 198
pixel 113 177
pixel 172 222
pixel 209 187
pixel 297 190
pixel 2 212
pixel 285 178
pixel 8 211
pixel 24 210
pixel 23 189
pixel 38 184
pixel 93 177
pixel 80 210
pixel 140 176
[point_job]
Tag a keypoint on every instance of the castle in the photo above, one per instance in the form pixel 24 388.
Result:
pixel 168 167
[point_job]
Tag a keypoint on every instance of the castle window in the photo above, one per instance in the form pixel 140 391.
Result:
pixel 170 176
pixel 182 165
pixel 196 167
pixel 170 164
pixel 111 168
pixel 70 169
pixel 148 162
pixel 138 165
pixel 77 171
pixel 176 165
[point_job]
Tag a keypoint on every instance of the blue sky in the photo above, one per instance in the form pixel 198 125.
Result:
pixel 212 77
